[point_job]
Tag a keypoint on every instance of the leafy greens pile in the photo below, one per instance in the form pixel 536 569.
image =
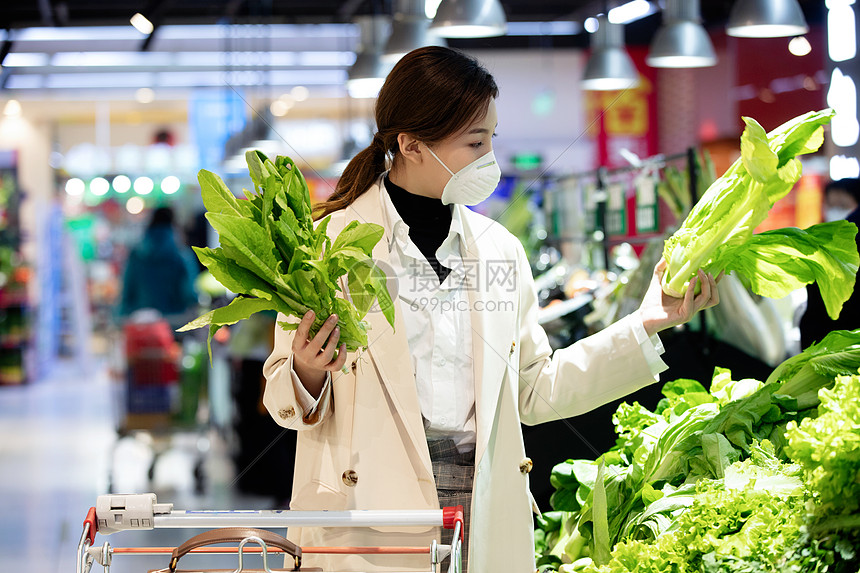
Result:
pixel 749 476
pixel 275 258
pixel 718 233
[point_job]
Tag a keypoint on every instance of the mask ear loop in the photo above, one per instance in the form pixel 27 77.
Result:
pixel 437 159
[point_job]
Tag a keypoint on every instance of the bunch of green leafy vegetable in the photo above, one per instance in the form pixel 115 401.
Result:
pixel 275 258
pixel 747 521
pixel 828 448
pixel 718 233
pixel 636 492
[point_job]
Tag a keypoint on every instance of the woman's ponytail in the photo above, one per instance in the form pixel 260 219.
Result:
pixel 360 173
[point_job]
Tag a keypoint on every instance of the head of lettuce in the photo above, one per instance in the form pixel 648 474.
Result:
pixel 718 234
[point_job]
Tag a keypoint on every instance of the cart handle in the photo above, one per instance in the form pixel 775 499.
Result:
pixel 450 517
pixel 233 535
pixel 91 520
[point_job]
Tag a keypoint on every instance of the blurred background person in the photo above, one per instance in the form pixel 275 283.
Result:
pixel 160 273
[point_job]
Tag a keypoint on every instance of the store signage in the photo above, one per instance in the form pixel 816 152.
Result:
pixel 616 211
pixel 647 211
pixel 527 161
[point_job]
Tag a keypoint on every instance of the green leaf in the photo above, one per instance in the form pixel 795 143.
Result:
pixel 297 192
pixel 838 354
pixel 361 291
pixel 353 332
pixel 321 235
pixel 341 261
pixel 239 308
pixel 256 168
pixel 737 419
pixel 649 494
pixel 367 283
pixel 302 280
pixel 682 386
pixel 800 135
pixel 217 197
pixel 564 500
pixel 286 235
pixel 323 275
pixel 759 159
pixel 601 520
pixel 719 453
pixel 248 243
pixel 233 276
pixel 774 263
pixel 362 236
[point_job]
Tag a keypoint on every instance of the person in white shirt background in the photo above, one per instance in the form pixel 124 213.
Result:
pixel 430 415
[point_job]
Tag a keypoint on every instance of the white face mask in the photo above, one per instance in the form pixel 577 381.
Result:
pixel 836 214
pixel 473 183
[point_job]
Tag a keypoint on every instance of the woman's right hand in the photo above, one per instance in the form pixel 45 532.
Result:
pixel 312 358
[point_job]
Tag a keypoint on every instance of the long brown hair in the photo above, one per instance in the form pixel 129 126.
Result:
pixel 431 94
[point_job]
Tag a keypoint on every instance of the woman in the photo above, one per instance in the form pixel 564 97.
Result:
pixel 430 415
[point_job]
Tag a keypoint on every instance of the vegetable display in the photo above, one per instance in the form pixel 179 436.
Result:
pixel 718 236
pixel 275 258
pixel 748 476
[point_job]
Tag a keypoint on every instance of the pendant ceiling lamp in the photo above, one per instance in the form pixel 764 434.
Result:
pixel 470 19
pixel 681 42
pixel 766 19
pixel 609 67
pixel 410 30
pixel 367 74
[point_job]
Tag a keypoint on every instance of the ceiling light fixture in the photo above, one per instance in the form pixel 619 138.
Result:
pixel 410 29
pixel 470 19
pixel 799 46
pixel 631 11
pixel 367 74
pixel 609 67
pixel 142 24
pixel 766 19
pixel 681 42
pixel 12 108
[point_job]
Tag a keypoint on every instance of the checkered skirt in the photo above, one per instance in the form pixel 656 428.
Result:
pixel 453 473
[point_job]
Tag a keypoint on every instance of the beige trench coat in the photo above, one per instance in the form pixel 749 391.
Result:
pixel 370 427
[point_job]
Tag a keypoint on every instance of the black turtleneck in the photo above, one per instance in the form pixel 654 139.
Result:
pixel 428 220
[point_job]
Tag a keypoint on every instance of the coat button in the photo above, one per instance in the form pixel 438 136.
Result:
pixel 526 465
pixel 285 413
pixel 350 478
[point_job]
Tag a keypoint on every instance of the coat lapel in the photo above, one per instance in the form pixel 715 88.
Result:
pixel 389 348
pixel 493 314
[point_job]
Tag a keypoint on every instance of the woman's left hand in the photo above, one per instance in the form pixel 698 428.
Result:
pixel 660 311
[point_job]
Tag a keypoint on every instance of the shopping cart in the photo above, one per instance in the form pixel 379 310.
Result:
pixel 155 406
pixel 115 513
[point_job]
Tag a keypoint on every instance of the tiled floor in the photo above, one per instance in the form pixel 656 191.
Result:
pixel 58 451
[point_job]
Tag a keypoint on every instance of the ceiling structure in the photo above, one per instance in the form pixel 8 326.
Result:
pixel 15 15
pixel 87 49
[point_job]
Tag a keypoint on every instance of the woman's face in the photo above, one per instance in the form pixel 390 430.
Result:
pixel 462 148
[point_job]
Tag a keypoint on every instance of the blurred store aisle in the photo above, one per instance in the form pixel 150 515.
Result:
pixel 58 440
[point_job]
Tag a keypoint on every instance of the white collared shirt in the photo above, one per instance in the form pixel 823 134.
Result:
pixel 438 328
